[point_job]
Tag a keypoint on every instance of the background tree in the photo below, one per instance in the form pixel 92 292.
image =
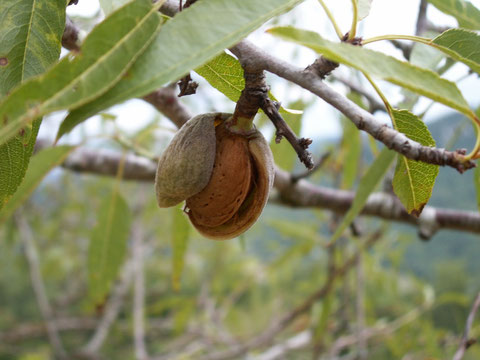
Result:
pixel 92 268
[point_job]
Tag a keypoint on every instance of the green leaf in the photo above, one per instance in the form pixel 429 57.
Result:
pixel 352 147
pixel 283 153
pixel 30 41
pixel 180 236
pixel 181 47
pixel 462 45
pixel 225 74
pixel 40 166
pixel 368 183
pixel 413 180
pixel 363 7
pixel 467 15
pixel 421 81
pixel 14 158
pixel 109 50
pixel 109 6
pixel 426 56
pixel 108 244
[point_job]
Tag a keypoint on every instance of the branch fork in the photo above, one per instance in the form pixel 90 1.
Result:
pixel 254 97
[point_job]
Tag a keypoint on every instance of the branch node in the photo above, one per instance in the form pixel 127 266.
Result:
pixel 187 86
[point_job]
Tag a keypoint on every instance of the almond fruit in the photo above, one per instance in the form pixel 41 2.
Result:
pixel 224 176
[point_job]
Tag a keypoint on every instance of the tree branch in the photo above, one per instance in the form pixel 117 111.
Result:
pixel 256 58
pixel 466 341
pixel 166 101
pixel 141 352
pixel 374 104
pixel 31 254
pixel 23 332
pixel 422 22
pixel 295 194
pixel 300 145
pixel 111 311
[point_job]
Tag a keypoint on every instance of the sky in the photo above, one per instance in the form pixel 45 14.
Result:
pixel 320 119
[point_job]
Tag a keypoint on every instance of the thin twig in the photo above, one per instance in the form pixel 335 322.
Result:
pixel 300 145
pixel 466 341
pixel 422 21
pixel 374 104
pixel 111 311
pixel 39 286
pixel 362 353
pixel 255 96
pixel 141 352
pixel 318 165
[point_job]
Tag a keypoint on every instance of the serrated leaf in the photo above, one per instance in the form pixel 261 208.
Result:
pixel 39 167
pixel 363 7
pixel 368 183
pixel 413 180
pixel 467 15
pixel 283 153
pixel 462 45
pixel 109 50
pixel 30 41
pixel 180 236
pixel 225 74
pixel 14 159
pixel 108 245
pixel 421 81
pixel 181 47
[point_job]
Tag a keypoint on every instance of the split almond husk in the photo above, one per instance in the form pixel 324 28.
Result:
pixel 233 180
pixel 186 165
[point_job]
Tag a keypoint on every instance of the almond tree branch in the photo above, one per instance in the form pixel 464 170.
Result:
pixel 141 352
pixel 29 331
pixel 166 101
pixel 38 285
pixel 374 104
pixel 111 311
pixel 295 194
pixel 23 332
pixel 255 58
pixel 466 341
pixel 422 21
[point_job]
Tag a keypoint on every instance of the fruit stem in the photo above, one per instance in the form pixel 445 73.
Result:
pixel 240 125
